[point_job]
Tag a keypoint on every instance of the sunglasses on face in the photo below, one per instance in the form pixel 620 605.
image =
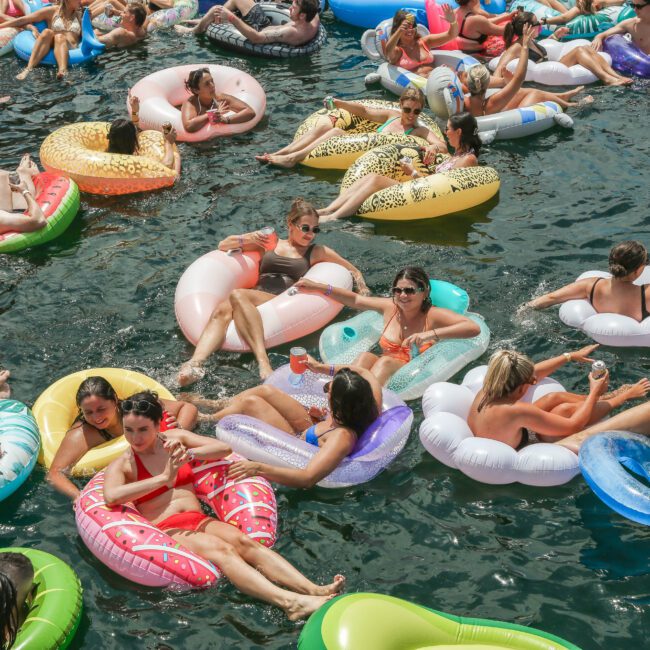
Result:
pixel 141 406
pixel 305 228
pixel 415 111
pixel 408 291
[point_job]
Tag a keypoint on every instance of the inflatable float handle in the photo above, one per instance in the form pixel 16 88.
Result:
pixel 635 466
pixel 89 43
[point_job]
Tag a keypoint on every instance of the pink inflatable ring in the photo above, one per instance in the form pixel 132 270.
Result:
pixel 126 542
pixel 162 93
pixel 211 279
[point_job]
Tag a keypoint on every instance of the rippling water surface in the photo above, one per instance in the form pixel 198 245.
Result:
pixel 102 295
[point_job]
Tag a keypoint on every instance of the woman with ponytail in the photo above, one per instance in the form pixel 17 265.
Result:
pixel 498 411
pixel 462 134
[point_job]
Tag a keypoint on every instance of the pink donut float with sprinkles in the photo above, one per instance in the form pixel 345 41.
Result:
pixel 132 546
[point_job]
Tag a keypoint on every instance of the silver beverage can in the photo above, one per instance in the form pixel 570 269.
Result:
pixel 329 103
pixel 598 369
pixel 406 160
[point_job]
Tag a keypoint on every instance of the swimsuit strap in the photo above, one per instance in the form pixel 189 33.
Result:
pixel 644 311
pixel 591 293
pixel 105 434
pixel 386 123
pixel 312 437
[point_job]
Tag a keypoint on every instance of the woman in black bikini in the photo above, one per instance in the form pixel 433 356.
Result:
pixel 99 421
pixel 616 295
pixel 206 105
pixel 280 268
pixel 477 25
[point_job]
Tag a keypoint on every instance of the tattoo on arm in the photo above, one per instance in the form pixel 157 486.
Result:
pixel 272 35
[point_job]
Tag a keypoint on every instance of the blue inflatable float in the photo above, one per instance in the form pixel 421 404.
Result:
pixel 603 462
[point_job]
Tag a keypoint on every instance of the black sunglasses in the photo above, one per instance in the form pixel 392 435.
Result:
pixel 416 111
pixel 142 406
pixel 409 291
pixel 637 7
pixel 306 228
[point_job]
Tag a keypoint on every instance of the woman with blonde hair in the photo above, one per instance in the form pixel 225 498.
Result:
pixel 499 412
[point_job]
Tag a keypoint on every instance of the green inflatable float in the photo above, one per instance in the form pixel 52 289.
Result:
pixel 382 622
pixel 56 606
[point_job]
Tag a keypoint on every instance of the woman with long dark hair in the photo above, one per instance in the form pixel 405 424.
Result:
pixel 16 579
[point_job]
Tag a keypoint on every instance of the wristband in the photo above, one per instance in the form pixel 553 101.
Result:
pixel 328 291
pixel 567 356
pixel 436 338
pixel 332 369
pixel 25 192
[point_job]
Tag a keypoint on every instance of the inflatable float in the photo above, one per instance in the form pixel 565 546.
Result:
pixel 360 136
pixel 345 341
pixel 58 198
pixel 382 622
pixel 55 410
pixel 604 461
pixel 162 93
pixel 447 437
pixel 210 279
pixel 552 72
pixel 7 34
pixel 56 604
pixel 126 542
pixel 606 328
pixel 166 18
pixel 89 47
pixel 627 57
pixel 19 445
pixel 79 152
pixel 228 37
pixel 434 195
pixel 376 448
pixel 445 95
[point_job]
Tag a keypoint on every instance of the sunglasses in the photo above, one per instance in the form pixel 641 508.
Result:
pixel 415 111
pixel 408 291
pixel 637 7
pixel 142 406
pixel 305 228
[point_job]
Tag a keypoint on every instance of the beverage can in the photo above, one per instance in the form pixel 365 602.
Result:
pixel 269 231
pixel 406 160
pixel 297 357
pixel 329 103
pixel 598 369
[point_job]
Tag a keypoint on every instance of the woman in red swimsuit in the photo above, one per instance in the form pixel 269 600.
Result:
pixel 409 319
pixel 406 49
pixel 615 295
pixel 154 475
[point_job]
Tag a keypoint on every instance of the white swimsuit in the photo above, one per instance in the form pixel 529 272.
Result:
pixel 59 26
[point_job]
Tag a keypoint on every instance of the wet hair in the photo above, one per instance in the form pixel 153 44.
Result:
pixel 300 208
pixel 507 371
pixel 194 79
pixel 416 275
pixel 352 401
pixel 627 257
pixel 123 137
pixel 15 570
pixel 413 95
pixel 516 26
pixel 399 18
pixel 478 79
pixel 145 403
pixel 469 138
pixel 139 13
pixel 310 8
pixel 95 386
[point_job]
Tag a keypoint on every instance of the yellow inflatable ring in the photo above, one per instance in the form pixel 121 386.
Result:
pixel 421 198
pixel 78 151
pixel 360 136
pixel 55 411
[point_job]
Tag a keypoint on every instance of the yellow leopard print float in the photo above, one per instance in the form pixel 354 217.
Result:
pixel 360 136
pixel 79 152
pixel 421 198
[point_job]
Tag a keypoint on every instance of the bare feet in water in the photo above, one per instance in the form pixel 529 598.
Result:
pixel 332 589
pixel 189 373
pixel 303 606
pixel 5 389
pixel 23 74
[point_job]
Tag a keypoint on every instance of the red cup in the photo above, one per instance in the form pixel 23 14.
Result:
pixel 297 358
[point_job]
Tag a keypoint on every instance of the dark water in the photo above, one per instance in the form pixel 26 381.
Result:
pixel 102 294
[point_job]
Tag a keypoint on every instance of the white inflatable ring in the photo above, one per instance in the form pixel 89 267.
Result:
pixel 162 93
pixel 374 40
pixel 210 279
pixel 609 329
pixel 447 437
pixel 552 72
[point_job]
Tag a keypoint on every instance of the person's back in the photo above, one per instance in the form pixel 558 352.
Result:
pixel 16 578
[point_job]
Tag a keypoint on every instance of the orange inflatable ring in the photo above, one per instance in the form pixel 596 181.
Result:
pixel 78 151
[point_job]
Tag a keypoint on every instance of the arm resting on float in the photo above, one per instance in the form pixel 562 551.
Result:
pixel 379 115
pixel 72 448
pixel 454 326
pixel 622 28
pixel 345 297
pixel 245 242
pixel 185 414
pixel 326 254
pixel 42 14
pixel 242 112
pixel 562 19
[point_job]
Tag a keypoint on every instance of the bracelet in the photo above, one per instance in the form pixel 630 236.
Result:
pixel 436 338
pixel 191 454
pixel 332 369
pixel 567 356
pixel 328 291
pixel 25 192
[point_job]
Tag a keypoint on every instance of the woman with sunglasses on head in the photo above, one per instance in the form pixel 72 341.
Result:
pixel 206 105
pixel 280 268
pixel 498 411
pixel 402 121
pixel 100 420
pixel 638 28
pixel 154 474
pixel 409 320
pixel 462 134
pixel 583 55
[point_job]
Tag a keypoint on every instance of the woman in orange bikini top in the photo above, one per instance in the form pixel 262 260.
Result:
pixel 410 320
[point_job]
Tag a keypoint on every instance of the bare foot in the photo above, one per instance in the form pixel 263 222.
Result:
pixel 265 371
pixel 303 606
pixel 334 588
pixel 635 391
pixel 287 161
pixel 185 31
pixel 207 418
pixel 23 75
pixel 5 100
pixel 324 218
pixel 189 373
pixel 622 81
pixel 263 158
pixel 585 102
pixel 61 74
pixel 204 402
pixel 5 389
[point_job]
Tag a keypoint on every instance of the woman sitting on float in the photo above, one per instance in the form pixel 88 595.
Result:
pixel 582 55
pixel 615 295
pixel 407 49
pixel 409 320
pixel 462 133
pixel 355 399
pixel 20 196
pixel 11 9
pixel 101 420
pixel 512 95
pixel 280 268
pixel 499 413
pixel 477 26
pixel 404 121
pixel 155 475
pixel 207 106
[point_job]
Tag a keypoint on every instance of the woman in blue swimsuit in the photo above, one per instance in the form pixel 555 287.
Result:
pixel 403 121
